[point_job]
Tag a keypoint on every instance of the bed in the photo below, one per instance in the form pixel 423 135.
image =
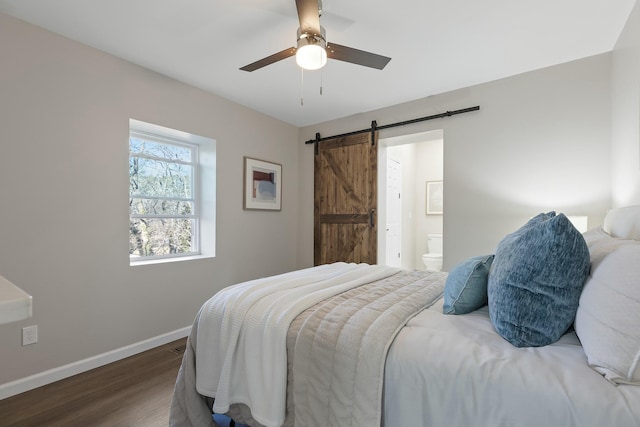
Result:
pixel 358 345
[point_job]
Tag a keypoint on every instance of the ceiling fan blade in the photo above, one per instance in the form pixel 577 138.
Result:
pixel 356 56
pixel 283 54
pixel 309 16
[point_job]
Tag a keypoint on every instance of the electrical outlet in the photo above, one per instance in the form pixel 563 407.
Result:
pixel 30 335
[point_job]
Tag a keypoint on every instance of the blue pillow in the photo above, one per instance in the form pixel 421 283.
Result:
pixel 536 279
pixel 466 287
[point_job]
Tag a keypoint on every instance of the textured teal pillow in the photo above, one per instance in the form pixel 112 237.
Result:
pixel 466 287
pixel 536 279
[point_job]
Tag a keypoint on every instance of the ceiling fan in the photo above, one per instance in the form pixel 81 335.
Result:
pixel 312 49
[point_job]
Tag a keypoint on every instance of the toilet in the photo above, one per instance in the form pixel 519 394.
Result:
pixel 433 259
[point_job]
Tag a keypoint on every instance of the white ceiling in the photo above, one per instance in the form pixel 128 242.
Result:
pixel 435 45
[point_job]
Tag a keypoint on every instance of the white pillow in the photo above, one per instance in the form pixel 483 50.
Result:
pixel 623 222
pixel 608 317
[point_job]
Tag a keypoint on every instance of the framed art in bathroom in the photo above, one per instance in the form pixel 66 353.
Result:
pixel 434 198
pixel 262 185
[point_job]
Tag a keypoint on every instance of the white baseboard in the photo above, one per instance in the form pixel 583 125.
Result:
pixel 52 375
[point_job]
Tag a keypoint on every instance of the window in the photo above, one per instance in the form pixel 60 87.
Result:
pixel 165 215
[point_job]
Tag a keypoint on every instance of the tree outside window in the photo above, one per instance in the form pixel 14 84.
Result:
pixel 163 209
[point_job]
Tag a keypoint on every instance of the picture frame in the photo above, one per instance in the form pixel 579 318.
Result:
pixel 434 199
pixel 262 185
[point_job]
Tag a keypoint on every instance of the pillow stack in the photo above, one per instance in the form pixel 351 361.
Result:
pixel 536 280
pixel 538 284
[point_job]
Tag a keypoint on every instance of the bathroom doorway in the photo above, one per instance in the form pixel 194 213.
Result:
pixel 403 223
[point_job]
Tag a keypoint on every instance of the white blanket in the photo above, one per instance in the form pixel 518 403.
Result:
pixel 243 334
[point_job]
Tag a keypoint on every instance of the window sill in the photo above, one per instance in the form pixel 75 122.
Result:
pixel 168 260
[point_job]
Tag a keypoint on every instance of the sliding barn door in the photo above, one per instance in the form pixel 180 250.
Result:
pixel 345 199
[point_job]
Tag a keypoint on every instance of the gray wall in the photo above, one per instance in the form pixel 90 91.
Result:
pixel 64 122
pixel 540 142
pixel 625 107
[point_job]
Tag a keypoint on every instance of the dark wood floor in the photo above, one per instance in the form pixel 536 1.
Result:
pixel 133 392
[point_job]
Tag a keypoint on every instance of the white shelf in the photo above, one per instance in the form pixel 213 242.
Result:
pixel 15 304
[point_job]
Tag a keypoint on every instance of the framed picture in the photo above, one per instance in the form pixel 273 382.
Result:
pixel 434 198
pixel 262 185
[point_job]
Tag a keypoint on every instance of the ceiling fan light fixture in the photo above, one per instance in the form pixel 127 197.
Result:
pixel 311 57
pixel 311 53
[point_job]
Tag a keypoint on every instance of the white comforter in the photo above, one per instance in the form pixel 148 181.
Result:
pixel 448 371
pixel 244 334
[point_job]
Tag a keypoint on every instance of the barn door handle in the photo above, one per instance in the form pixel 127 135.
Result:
pixel 372 212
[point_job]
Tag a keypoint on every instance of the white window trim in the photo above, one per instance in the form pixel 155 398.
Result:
pixel 205 176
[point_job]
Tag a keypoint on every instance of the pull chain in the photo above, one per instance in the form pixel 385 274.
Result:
pixel 302 86
pixel 321 81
